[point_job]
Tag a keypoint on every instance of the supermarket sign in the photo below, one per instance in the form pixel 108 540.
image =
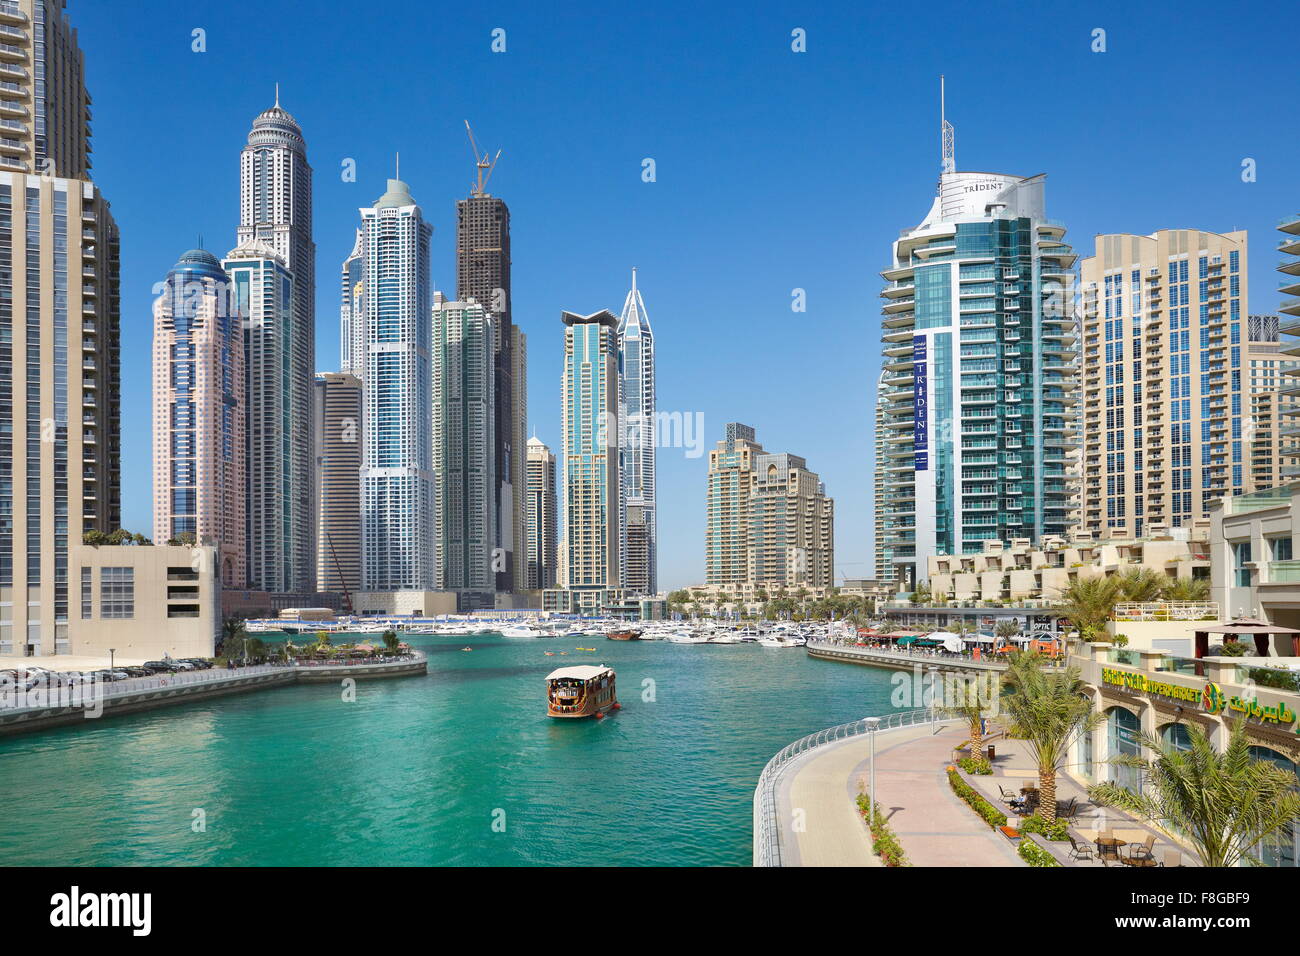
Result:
pixel 1144 684
pixel 1211 698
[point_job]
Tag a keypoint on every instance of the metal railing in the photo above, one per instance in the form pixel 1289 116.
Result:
pixel 1167 611
pixel 15 701
pixel 767 839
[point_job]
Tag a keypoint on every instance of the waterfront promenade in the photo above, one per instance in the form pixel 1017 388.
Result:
pixel 22 712
pixel 818 822
pixel 900 659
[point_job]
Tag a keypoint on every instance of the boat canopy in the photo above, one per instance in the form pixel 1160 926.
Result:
pixel 579 672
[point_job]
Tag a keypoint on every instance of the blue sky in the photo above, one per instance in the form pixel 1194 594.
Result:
pixel 775 170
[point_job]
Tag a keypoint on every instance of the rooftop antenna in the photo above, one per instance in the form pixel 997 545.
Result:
pixel 949 143
pixel 397 174
pixel 634 278
pixel 277 96
pixel 482 163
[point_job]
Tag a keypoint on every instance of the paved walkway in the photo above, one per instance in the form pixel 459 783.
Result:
pixel 820 825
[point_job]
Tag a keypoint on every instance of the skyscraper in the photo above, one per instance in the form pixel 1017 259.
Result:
pixel 483 274
pixel 1268 373
pixel 978 381
pixel 262 292
pixel 463 451
pixel 884 555
pixel 770 523
pixel 397 491
pixel 338 412
pixel 791 525
pixel 541 517
pixel 726 531
pixel 275 211
pixel 59 345
pixel 1166 379
pixel 636 362
pixel 1289 331
pixel 199 414
pixel 593 499
pixel 352 319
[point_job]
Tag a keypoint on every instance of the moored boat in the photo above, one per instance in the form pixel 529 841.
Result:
pixel 624 635
pixel 585 690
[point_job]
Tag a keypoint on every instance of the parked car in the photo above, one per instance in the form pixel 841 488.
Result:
pixel 136 671
pixel 160 667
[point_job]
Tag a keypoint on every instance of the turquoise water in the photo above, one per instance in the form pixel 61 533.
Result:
pixel 418 770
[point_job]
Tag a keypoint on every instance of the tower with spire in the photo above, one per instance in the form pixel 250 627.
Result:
pixel 275 230
pixel 636 362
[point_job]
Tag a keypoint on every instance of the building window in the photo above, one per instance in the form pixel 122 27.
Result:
pixel 1241 558
pixel 1281 549
pixel 87 595
pixel 117 592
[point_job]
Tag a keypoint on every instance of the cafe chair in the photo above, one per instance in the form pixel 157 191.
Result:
pixel 1142 851
pixel 1079 851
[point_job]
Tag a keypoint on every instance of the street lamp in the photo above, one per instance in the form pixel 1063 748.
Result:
pixel 872 724
pixel 111 652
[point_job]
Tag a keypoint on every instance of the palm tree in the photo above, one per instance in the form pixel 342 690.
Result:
pixel 233 637
pixel 1089 603
pixel 921 595
pixel 1223 804
pixel 1141 585
pixel 962 697
pixel 1048 711
pixel 391 641
pixel 1007 629
pixel 1187 589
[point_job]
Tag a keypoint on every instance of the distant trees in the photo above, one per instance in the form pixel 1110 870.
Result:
pixel 118 537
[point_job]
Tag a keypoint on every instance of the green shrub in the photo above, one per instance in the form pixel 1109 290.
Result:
pixel 991 814
pixel 884 843
pixel 1035 855
pixel 1054 831
pixel 978 766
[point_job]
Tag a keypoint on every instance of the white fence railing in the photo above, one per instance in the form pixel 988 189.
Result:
pixel 767 838
pixel 1168 611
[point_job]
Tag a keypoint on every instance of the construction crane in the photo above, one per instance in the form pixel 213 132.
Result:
pixel 482 162
pixel 338 569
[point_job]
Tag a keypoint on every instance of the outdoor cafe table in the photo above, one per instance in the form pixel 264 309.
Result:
pixel 1107 846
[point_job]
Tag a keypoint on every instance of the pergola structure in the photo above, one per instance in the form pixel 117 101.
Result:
pixel 1244 627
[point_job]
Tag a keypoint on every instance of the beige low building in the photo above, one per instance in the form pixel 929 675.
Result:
pixel 143 602
pixel 1157 694
pixel 1252 540
pixel 1021 571
pixel 405 603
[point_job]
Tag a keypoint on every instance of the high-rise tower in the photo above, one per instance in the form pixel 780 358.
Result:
pixel 462 363
pixel 397 489
pixel 636 363
pixel 352 319
pixel 275 212
pixel 593 487
pixel 1166 379
pixel 979 373
pixel 541 517
pixel 199 414
pixel 59 345
pixel 338 411
pixel 483 274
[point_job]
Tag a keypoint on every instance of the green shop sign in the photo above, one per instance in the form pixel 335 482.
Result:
pixel 1143 684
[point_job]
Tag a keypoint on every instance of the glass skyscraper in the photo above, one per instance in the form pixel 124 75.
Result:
pixel 397 489
pixel 978 386
pixel 463 452
pixel 275 212
pixel 636 365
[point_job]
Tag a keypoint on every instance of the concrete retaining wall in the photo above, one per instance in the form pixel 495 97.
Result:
pixel 27 719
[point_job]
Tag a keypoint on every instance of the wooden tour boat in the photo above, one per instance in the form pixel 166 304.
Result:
pixel 586 690
pixel 628 635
